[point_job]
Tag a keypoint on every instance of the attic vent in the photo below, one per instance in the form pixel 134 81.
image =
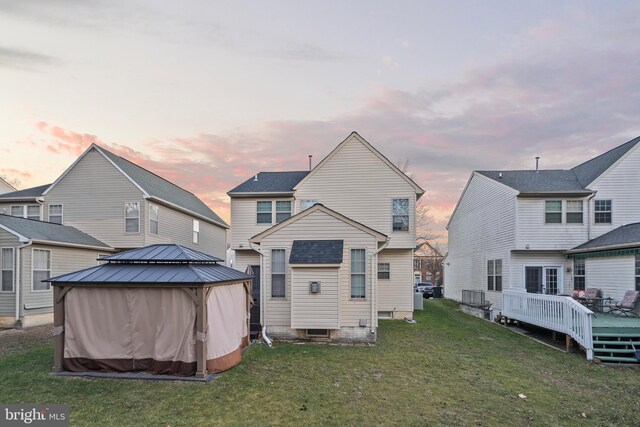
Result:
pixel 314 287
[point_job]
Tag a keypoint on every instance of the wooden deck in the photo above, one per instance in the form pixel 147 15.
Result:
pixel 612 338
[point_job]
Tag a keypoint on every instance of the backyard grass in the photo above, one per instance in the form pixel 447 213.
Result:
pixel 448 369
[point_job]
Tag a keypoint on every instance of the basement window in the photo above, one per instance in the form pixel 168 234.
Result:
pixel 318 333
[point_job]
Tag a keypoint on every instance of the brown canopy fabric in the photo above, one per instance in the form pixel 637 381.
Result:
pixel 151 329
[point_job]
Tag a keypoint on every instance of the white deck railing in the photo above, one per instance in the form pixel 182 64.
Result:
pixel 554 312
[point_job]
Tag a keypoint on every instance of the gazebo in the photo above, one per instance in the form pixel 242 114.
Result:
pixel 163 309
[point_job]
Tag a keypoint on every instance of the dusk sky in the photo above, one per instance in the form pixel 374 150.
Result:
pixel 206 93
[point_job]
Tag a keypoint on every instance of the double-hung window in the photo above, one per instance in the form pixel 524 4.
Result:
pixel 602 211
pixel 264 212
pixel 494 275
pixel 574 212
pixel 384 271
pixel 6 274
pixel 283 210
pixel 55 214
pixel 553 211
pixel 358 274
pixel 278 273
pixel 400 214
pixel 132 217
pixel 29 211
pixel 196 231
pixel 579 274
pixel 153 219
pixel 17 211
pixel 41 269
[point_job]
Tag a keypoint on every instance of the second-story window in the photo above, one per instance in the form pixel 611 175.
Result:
pixel 574 211
pixel 283 210
pixel 17 211
pixel 132 217
pixel 553 211
pixel 33 212
pixel 196 231
pixel 55 214
pixel 263 213
pixel 602 211
pixel 400 214
pixel 153 219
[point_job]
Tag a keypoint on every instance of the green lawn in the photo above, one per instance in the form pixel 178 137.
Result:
pixel 448 369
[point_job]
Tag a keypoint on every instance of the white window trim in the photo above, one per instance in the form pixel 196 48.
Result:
pixel 388 270
pixel 258 212
pixel 282 298
pixel 366 291
pixel 24 211
pixel 50 270
pixel 408 215
pixel 13 269
pixel 125 218
pixel 610 212
pixel 276 211
pixel 575 275
pixel 61 212
pixel 195 237
pixel 544 276
pixel 561 212
pixel 151 206
pixel 567 212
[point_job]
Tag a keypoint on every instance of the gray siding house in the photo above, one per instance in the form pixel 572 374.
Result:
pixel 30 251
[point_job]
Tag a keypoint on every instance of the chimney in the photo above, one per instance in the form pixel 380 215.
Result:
pixel 255 179
pixel 537 160
pixel 310 157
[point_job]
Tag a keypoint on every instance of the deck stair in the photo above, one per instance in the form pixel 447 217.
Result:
pixel 613 344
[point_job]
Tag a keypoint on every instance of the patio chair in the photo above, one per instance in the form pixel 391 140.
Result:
pixel 627 305
pixel 590 296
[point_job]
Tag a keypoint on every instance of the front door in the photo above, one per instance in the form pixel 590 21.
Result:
pixel 255 309
pixel 543 280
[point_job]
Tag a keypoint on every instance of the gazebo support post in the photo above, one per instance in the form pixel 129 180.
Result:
pixel 201 335
pixel 58 329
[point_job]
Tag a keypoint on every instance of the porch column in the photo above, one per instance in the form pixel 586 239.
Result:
pixel 201 334
pixel 58 328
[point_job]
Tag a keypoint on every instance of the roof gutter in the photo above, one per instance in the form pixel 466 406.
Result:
pixel 71 245
pixel 185 210
pixel 260 194
pixel 21 199
pixel 556 194
pixel 603 248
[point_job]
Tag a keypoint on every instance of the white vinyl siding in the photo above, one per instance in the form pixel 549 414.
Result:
pixel 196 231
pixel 7 269
pixel 41 269
pixel 315 310
pixel 132 217
pixel 494 275
pixel 359 185
pixel 278 271
pixel 482 227
pixel 153 219
pixel 56 214
pixel 358 274
pixel 244 218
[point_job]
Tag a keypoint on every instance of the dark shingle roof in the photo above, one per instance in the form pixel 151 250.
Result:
pixel 46 231
pixel 163 253
pixel 160 188
pixel 626 235
pixel 316 252
pixel 271 182
pixel 588 171
pixel 159 264
pixel 574 180
pixel 542 182
pixel 32 192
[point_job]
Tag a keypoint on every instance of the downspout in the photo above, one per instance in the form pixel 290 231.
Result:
pixel 589 215
pixel 374 281
pixel 263 313
pixel 40 200
pixel 18 284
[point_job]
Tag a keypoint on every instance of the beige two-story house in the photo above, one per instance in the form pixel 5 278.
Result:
pixel 331 248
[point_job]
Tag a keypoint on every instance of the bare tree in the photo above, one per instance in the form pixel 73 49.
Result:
pixel 423 223
pixel 13 181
